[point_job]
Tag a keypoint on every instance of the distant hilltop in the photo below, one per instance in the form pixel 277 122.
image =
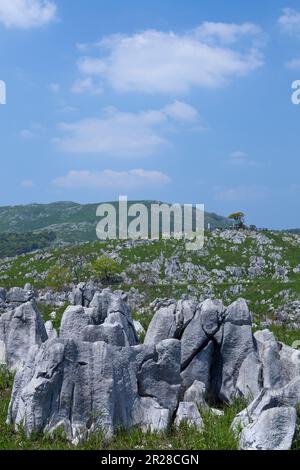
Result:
pixel 71 222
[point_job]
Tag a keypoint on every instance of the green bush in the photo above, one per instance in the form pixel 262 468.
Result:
pixel 105 269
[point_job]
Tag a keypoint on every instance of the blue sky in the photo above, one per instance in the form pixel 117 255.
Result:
pixel 178 101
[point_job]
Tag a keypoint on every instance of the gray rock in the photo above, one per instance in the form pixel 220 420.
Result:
pixel 269 354
pixel 216 412
pixel 250 378
pixel 50 330
pixel 75 319
pixel 85 387
pixel 76 296
pixel 188 413
pixel 96 376
pixel 212 316
pixel 290 362
pixel 170 321
pixel 269 421
pixel 202 327
pixel 273 429
pixel 2 295
pixel 196 394
pixel 150 416
pixel 18 296
pixel 20 329
pixel 159 375
pixel 105 312
pixel 237 344
pixel 138 328
pixel 162 326
pixel 110 334
pixel 88 293
pixel 28 287
pixel 193 340
pixel 199 368
pixel 2 353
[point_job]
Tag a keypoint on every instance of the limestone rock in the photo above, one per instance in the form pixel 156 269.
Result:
pixel 19 330
pixel 50 330
pixel 138 328
pixel 273 429
pixel 237 344
pixel 91 386
pixel 108 318
pixel 196 394
pixel 18 296
pixel 188 413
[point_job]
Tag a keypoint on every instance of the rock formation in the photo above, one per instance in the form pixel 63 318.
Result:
pixel 95 376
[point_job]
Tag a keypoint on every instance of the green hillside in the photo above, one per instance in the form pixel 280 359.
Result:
pixel 71 222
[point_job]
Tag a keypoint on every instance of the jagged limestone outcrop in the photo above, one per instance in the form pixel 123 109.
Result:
pixel 94 376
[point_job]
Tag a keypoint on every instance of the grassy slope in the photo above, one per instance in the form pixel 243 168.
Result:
pixel 217 255
pixel 70 221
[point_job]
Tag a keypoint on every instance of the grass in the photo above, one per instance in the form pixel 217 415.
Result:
pixel 285 335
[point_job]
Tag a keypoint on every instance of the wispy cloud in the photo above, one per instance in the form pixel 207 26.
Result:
pixel 86 85
pixel 227 33
pixel 241 159
pixel 33 132
pixel 131 179
pixel 55 87
pixel 289 21
pixel 166 62
pixel 26 14
pixel 124 134
pixel 293 64
pixel 27 183
pixel 241 193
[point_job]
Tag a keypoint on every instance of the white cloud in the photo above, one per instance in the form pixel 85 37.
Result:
pixel 181 112
pixel 27 134
pixel 289 21
pixel 227 33
pixel 27 183
pixel 26 13
pixel 55 87
pixel 166 62
pixel 124 134
pixel 293 64
pixel 131 179
pixel 241 193
pixel 237 158
pixel 34 132
pixel 240 159
pixel 86 85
